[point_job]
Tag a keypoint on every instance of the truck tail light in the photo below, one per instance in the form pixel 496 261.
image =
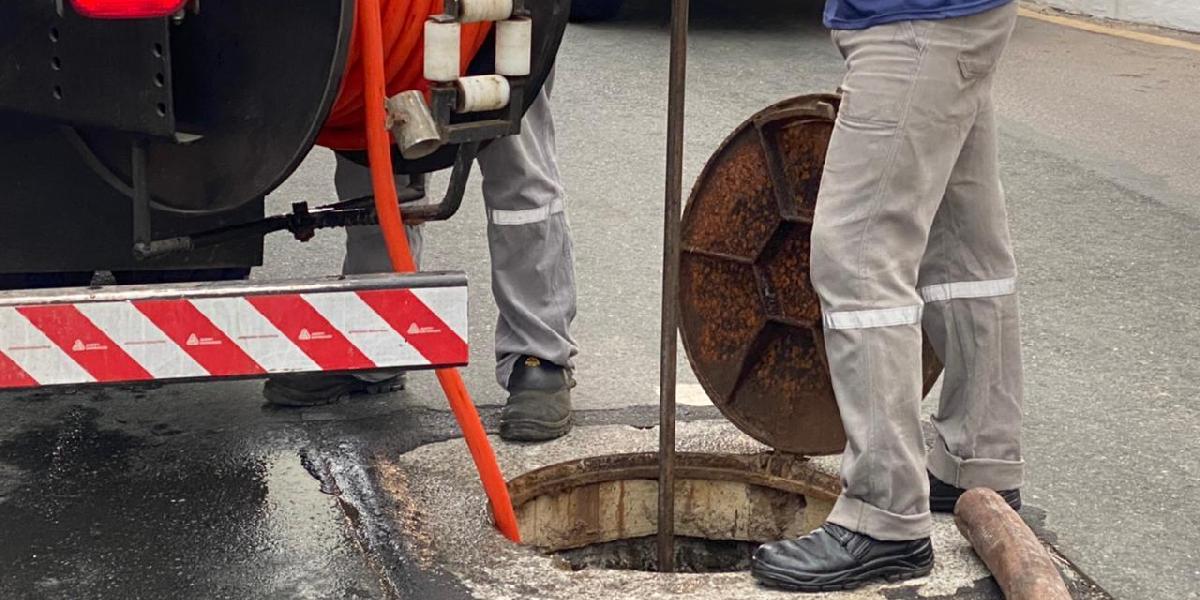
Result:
pixel 127 9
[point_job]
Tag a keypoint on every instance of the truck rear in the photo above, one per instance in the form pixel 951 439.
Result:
pixel 140 138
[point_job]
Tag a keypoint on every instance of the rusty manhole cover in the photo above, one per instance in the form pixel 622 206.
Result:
pixel 750 320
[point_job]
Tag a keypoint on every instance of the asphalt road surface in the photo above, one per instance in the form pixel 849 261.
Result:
pixel 200 491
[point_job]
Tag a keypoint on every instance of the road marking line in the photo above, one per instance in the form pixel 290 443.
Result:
pixel 1084 25
pixel 689 394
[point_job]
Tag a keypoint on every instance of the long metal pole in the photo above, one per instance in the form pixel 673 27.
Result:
pixel 670 287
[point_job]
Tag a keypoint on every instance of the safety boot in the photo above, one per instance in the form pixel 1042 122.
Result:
pixel 315 389
pixel 834 558
pixel 943 496
pixel 539 401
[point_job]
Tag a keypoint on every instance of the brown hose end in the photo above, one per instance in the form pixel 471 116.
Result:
pixel 1011 551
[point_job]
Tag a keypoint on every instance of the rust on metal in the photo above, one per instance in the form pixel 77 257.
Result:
pixel 1019 562
pixel 749 318
pixel 744 176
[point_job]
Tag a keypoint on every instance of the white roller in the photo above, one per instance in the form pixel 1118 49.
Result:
pixel 441 51
pixel 482 93
pixel 513 40
pixel 472 11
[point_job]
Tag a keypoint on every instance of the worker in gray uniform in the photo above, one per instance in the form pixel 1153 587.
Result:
pixel 533 281
pixel 911 229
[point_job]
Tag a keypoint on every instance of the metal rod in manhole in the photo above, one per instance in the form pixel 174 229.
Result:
pixel 671 232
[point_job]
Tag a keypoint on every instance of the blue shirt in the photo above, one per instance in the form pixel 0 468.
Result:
pixel 861 14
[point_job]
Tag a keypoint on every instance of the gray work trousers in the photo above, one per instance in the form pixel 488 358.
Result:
pixel 911 229
pixel 533 270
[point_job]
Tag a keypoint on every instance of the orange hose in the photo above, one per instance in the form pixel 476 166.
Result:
pixel 379 156
pixel 402 27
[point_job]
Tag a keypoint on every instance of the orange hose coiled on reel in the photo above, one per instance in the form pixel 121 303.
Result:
pixel 404 61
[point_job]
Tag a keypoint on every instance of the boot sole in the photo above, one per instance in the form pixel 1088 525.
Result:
pixel 894 572
pixel 534 431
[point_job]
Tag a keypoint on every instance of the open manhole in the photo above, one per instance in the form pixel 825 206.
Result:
pixel 602 512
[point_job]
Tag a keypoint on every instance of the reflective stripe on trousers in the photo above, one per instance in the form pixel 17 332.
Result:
pixel 529 239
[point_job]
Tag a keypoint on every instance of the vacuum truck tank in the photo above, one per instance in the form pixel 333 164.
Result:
pixel 127 122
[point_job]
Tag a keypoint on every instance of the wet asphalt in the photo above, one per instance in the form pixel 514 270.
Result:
pixel 123 495
pixel 199 491
pixel 202 491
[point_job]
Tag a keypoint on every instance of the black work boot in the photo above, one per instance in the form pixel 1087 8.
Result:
pixel 834 558
pixel 315 389
pixel 539 402
pixel 943 496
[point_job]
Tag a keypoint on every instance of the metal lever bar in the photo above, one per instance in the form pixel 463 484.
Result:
pixel 670 288
pixel 303 223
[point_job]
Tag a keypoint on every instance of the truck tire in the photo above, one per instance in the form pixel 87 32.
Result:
pixel 583 11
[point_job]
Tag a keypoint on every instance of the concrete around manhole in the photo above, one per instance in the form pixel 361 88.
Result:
pixel 442 513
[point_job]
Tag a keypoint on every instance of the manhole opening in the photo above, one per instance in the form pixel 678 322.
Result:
pixel 692 555
pixel 601 512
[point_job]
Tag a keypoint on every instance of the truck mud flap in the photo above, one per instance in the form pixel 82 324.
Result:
pixel 108 335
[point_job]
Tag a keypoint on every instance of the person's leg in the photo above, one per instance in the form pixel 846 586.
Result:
pixel 533 276
pixel 968 283
pixel 904 118
pixel 908 105
pixel 366 252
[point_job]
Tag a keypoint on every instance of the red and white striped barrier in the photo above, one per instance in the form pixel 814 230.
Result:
pixel 111 335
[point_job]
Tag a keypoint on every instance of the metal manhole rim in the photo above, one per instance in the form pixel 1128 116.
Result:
pixel 765 469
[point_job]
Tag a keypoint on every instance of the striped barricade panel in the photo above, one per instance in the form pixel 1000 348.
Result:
pixel 201 331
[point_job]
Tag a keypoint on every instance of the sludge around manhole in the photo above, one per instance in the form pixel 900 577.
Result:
pixel 601 512
pixel 692 555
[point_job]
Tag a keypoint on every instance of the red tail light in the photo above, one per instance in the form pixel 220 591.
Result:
pixel 127 9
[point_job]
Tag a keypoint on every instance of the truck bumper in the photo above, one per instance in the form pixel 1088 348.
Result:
pixel 129 334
